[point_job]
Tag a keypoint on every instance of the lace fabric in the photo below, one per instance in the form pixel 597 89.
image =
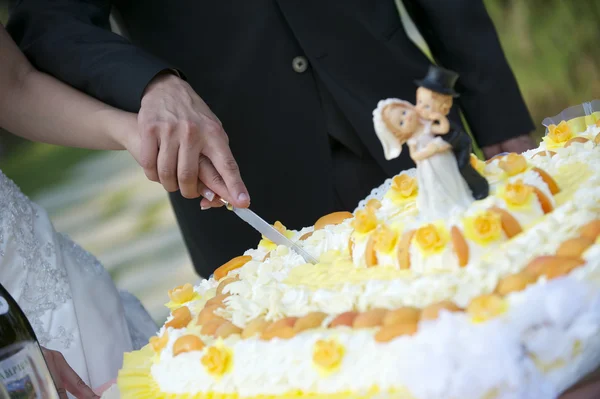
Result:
pixel 65 292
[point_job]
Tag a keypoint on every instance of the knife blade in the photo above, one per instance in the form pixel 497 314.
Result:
pixel 272 234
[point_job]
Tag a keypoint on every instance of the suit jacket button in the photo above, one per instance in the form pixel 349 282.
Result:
pixel 300 64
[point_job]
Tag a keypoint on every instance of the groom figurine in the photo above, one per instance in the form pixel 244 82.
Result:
pixel 435 94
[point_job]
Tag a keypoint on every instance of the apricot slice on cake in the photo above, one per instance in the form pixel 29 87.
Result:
pixel 207 314
pixel 187 343
pixel 306 236
pixel 591 230
pixel 370 255
pixel 225 283
pixel 255 327
pixel 388 333
pixel 332 219
pixel 309 322
pixel 543 199
pixel 544 153
pixel 597 138
pixel 403 251
pixel 283 328
pixel 510 225
pixel 226 329
pixel 402 315
pixel 212 326
pixel 461 248
pixel 233 264
pixel 574 247
pixel 432 311
pixel 550 182
pixel 370 318
pixel 576 140
pixel 515 282
pixel 553 266
pixel 344 319
pixel 181 318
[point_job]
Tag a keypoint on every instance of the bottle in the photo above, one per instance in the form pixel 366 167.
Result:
pixel 23 370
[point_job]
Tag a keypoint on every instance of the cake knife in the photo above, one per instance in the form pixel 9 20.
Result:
pixel 268 231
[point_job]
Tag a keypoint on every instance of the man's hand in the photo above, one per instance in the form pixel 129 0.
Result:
pixel 518 144
pixel 65 378
pixel 183 141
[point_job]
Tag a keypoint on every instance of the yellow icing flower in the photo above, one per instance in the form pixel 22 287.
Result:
pixel 404 188
pixel 373 204
pixel 328 355
pixel 181 295
pixel 159 343
pixel 484 227
pixel 517 194
pixel 385 239
pixel 268 244
pixel 431 239
pixel 486 307
pixel 364 220
pixel 218 359
pixel 558 135
pixel 513 164
pixel 477 164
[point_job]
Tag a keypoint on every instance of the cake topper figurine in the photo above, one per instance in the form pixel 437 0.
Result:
pixel 435 96
pixel 447 181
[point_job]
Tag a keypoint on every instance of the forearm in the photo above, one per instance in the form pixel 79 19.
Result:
pixel 71 40
pixel 38 107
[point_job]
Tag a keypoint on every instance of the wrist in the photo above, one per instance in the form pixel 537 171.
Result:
pixel 163 79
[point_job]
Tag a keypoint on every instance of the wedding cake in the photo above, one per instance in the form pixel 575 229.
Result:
pixel 498 299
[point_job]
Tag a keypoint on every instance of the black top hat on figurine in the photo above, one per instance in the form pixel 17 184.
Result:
pixel 439 80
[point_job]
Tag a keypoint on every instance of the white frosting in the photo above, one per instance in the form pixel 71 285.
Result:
pixel 549 337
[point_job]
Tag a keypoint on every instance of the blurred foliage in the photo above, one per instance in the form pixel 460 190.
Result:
pixel 552 46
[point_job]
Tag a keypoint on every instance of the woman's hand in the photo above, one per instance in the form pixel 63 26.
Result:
pixel 65 378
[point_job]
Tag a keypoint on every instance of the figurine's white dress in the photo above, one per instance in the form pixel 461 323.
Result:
pixel 442 189
pixel 65 292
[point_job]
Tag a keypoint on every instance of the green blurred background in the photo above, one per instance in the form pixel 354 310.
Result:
pixel 105 203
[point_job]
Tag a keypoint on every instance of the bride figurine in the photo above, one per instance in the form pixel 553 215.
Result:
pixel 442 189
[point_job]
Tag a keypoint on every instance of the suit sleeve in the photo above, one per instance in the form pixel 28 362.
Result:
pixel 71 39
pixel 462 37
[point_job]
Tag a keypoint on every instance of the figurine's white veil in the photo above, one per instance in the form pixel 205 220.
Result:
pixel 392 146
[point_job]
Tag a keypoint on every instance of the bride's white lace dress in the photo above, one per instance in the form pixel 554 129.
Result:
pixel 65 292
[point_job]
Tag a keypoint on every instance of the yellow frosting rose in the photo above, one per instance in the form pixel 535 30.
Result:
pixel 364 220
pixel 328 355
pixel 558 135
pixel 513 164
pixel 431 239
pixel 484 227
pixel 217 360
pixel 181 295
pixel 404 188
pixel 385 239
pixel 517 194
pixel 159 343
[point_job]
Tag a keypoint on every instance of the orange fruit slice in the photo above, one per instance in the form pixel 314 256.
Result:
pixel 187 343
pixel 543 199
pixel 370 255
pixel 574 247
pixel 460 246
pixel 403 250
pixel 233 264
pixel 591 230
pixel 388 333
pixel 510 225
pixel 332 219
pixel 576 140
pixel 550 182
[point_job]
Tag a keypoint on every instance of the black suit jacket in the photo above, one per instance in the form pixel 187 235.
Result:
pixel 238 56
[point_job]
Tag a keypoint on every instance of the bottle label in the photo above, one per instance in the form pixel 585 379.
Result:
pixel 3 306
pixel 24 374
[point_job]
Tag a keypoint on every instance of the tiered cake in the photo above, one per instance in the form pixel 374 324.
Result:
pixel 500 300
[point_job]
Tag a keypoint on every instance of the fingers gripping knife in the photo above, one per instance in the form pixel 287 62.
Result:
pixel 268 231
